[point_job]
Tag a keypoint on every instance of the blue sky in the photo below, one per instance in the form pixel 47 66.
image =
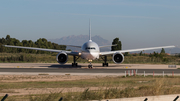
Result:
pixel 137 23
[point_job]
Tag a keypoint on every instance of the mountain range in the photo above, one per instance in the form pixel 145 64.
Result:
pixel 79 40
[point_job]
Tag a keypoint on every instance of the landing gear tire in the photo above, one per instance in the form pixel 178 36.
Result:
pixel 74 64
pixel 105 64
pixel 90 66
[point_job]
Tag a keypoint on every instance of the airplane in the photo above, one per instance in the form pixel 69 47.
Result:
pixel 89 51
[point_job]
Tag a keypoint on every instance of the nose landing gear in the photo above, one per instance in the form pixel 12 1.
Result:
pixel 90 65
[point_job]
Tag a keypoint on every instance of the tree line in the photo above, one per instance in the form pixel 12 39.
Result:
pixel 162 55
pixel 40 43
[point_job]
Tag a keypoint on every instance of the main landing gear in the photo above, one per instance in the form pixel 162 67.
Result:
pixel 75 58
pixel 105 61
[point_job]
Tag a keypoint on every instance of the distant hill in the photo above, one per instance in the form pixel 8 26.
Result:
pixel 169 50
pixel 79 40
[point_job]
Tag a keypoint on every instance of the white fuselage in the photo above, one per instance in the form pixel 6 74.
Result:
pixel 90 51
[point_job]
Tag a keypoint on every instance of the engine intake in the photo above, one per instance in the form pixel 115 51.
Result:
pixel 62 58
pixel 118 58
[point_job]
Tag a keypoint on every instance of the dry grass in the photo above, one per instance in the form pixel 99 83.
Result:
pixel 108 87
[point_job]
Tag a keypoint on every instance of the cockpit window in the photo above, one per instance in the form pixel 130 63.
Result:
pixel 90 48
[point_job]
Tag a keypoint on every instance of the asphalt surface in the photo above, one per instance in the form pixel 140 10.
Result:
pixel 81 70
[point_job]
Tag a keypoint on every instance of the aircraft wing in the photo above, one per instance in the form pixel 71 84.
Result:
pixel 73 46
pixel 44 49
pixel 107 46
pixel 134 50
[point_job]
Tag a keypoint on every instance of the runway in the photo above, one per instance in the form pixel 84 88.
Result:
pixel 82 68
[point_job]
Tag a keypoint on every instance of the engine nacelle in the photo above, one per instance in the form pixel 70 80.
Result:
pixel 62 58
pixel 118 57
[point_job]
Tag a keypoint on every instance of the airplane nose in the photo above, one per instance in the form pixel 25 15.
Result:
pixel 94 55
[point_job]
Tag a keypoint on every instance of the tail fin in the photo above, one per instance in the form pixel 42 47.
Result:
pixel 90 30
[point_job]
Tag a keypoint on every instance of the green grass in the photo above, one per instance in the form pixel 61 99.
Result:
pixel 51 58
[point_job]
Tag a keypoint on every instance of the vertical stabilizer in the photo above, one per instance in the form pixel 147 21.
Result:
pixel 90 30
